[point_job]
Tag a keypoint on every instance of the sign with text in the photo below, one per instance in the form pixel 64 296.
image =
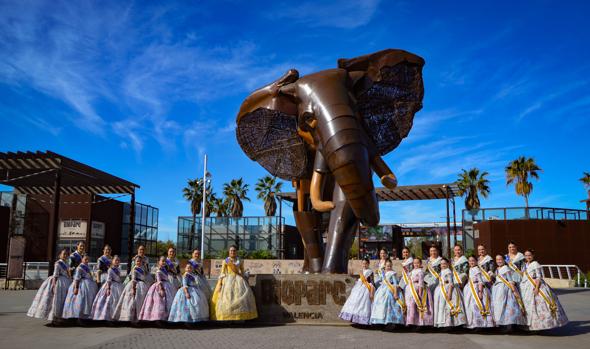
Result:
pixel 97 230
pixel 72 229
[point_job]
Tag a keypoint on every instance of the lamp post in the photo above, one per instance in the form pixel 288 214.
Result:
pixel 204 207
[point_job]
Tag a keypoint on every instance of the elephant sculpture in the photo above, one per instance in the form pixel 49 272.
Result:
pixel 326 132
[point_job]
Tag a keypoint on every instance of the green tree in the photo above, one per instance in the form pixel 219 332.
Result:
pixel 163 247
pixel 221 207
pixel 518 172
pixel 471 183
pixel 193 193
pixel 586 182
pixel 236 191
pixel 267 187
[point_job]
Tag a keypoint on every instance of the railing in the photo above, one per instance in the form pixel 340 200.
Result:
pixel 38 270
pixel 514 213
pixel 558 271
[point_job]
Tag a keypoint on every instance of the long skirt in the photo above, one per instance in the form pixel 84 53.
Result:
pixel 48 303
pixel 193 309
pixel 357 308
pixel 475 318
pixel 507 311
pixel 233 299
pixel 203 284
pixel 385 309
pixel 156 307
pixel 413 315
pixel 104 305
pixel 79 306
pixel 129 305
pixel 443 316
pixel 538 312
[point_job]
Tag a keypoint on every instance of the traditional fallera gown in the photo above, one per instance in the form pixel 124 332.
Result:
pixel 74 261
pixel 386 309
pixel 516 263
pixel 448 301
pixel 129 304
pixel 487 265
pixel 103 263
pixel 543 310
pixel 508 309
pixel 174 276
pixel 156 306
pixel 460 269
pixel 49 300
pixel 407 266
pixel 431 272
pixel 148 279
pixel 79 306
pixel 233 298
pixel 105 301
pixel 201 280
pixel 193 309
pixel 418 300
pixel 357 308
pixel 477 310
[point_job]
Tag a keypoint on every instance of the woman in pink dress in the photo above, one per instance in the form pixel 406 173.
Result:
pixel 158 301
pixel 418 298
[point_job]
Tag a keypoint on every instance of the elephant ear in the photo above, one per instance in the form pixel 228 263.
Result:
pixel 270 137
pixel 389 92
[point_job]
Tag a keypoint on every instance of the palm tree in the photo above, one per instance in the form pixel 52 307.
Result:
pixel 586 182
pixel 221 207
pixel 211 199
pixel 193 193
pixel 267 187
pixel 471 183
pixel 236 191
pixel 518 172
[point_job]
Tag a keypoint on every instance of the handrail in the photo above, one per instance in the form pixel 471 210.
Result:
pixel 580 276
pixel 530 213
pixel 38 270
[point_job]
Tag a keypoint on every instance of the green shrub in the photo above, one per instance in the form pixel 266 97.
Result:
pixel 261 254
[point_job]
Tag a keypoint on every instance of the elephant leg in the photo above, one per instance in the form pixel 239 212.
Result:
pixel 306 222
pixel 343 224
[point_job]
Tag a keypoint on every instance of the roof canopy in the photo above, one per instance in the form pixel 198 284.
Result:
pixel 35 173
pixel 406 193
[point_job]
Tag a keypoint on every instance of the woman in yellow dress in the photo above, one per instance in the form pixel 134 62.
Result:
pixel 233 298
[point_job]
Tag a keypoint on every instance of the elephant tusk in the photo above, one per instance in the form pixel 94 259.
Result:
pixel 387 177
pixel 314 194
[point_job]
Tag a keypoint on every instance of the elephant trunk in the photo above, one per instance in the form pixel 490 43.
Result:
pixel 345 148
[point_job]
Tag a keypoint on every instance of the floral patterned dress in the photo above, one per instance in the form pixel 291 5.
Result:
pixel 460 269
pixel 108 296
pixel 386 309
pixel 79 306
pixel 132 298
pixel 49 300
pixel 193 309
pixel 516 263
pixel 357 308
pixel 233 298
pixel 487 265
pixel 201 280
pixel 478 310
pixel 543 310
pixel 102 268
pixel 431 271
pixel 418 300
pixel 507 309
pixel 407 266
pixel 448 302
pixel 158 300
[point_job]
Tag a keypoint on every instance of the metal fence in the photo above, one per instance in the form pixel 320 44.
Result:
pixel 565 271
pixel 514 213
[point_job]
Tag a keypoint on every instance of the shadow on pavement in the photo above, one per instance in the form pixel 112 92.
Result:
pixel 561 291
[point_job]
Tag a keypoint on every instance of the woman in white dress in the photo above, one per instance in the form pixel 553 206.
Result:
pixel 108 296
pixel 542 306
pixel 357 308
pixel 419 311
pixel 448 299
pixel 50 297
pixel 173 267
pixel 407 266
pixel 80 297
pixel 477 298
pixel 486 265
pixel 460 266
pixel 201 280
pixel 506 300
pixel 133 295
pixel 515 261
pixel 432 268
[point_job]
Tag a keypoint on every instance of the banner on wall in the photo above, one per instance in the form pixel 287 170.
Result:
pixel 72 229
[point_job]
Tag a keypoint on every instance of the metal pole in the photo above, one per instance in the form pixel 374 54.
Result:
pixel 454 222
pixel 131 233
pixel 448 223
pixel 281 253
pixel 204 207
pixel 54 221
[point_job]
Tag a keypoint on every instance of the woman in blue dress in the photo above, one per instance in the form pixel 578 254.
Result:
pixel 190 303
pixel 103 264
pixel 388 303
pixel 506 300
pixel 49 301
pixel 201 280
pixel 81 293
pixel 357 308
pixel 133 295
pixel 108 296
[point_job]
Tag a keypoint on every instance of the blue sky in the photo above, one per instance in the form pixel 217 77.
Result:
pixel 144 89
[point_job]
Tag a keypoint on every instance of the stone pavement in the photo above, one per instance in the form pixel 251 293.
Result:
pixel 19 331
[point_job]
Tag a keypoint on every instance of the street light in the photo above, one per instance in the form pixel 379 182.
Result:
pixel 206 179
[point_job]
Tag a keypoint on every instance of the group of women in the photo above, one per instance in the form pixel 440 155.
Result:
pixel 161 293
pixel 473 292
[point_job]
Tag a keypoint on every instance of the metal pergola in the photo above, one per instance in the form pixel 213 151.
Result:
pixel 51 174
pixel 447 192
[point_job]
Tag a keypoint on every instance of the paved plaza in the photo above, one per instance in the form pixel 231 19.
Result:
pixel 19 331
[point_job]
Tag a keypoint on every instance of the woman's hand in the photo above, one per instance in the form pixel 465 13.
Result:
pixel 108 292
pixel 188 295
pixel 75 290
pixel 536 291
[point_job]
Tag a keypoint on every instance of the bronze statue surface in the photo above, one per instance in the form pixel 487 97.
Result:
pixel 326 132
